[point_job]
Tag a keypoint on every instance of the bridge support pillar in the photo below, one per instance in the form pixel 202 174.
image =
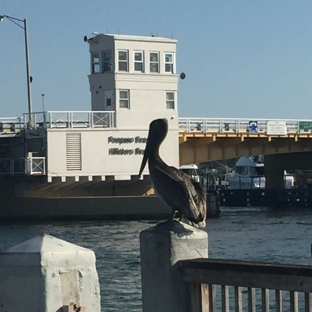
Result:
pixel 274 171
pixel 274 179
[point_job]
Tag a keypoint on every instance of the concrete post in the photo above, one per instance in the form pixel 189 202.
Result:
pixel 162 246
pixel 46 274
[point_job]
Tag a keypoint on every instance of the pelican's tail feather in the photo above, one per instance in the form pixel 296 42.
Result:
pixel 201 224
pixel 195 224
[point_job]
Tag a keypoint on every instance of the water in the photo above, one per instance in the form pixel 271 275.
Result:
pixel 246 233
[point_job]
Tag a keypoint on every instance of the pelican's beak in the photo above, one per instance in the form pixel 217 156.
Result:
pixel 145 158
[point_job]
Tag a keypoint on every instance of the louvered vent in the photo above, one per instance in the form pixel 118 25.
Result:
pixel 73 151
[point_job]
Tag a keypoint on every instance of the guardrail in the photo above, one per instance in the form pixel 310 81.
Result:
pixel 106 119
pixel 12 166
pixel 22 165
pixel 10 125
pixel 72 119
pixel 232 285
pixel 35 165
pixel 245 125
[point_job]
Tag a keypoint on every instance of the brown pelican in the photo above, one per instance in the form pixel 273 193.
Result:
pixel 177 189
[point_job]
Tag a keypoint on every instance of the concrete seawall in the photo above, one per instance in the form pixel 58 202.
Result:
pixel 84 208
pixel 16 205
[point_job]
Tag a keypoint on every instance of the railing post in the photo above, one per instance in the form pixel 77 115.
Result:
pixel 70 120
pixel 46 274
pixel 161 247
pixel 91 119
pixel 11 167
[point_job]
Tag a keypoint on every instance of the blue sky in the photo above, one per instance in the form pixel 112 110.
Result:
pixel 242 59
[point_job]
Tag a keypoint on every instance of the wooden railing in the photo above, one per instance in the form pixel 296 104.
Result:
pixel 232 285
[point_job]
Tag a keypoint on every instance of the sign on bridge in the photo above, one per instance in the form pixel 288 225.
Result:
pixel 305 126
pixel 276 127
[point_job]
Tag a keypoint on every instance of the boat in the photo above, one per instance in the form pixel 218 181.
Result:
pixel 191 170
pixel 213 197
pixel 251 175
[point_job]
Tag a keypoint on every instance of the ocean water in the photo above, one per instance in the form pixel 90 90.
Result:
pixel 240 233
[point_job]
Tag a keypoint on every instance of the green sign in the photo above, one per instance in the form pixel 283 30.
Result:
pixel 305 125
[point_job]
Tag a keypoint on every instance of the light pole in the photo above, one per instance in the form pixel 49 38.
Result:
pixel 17 22
pixel 42 101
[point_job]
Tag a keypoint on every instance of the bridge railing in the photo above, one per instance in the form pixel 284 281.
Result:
pixel 22 166
pixel 232 285
pixel 106 119
pixel 70 119
pixel 10 125
pixel 247 125
pixel 35 165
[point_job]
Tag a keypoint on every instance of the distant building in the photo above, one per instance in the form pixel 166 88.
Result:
pixel 135 77
pixel 133 81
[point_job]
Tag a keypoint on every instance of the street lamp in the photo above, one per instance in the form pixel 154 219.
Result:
pixel 42 102
pixel 18 22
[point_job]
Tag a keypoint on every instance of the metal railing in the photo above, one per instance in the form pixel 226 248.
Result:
pixel 72 119
pixel 12 166
pixel 35 165
pixel 106 119
pixel 242 125
pixel 22 166
pixel 233 285
pixel 10 125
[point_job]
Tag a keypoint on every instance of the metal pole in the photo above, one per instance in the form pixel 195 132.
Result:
pixel 28 73
pixel 42 101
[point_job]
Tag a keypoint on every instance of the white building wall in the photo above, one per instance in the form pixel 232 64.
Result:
pixel 100 152
pixel 147 90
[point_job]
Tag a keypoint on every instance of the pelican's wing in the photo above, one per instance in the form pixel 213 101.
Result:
pixel 180 191
pixel 196 194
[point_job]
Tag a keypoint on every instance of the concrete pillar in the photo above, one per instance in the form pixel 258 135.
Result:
pixel 46 274
pixel 274 166
pixel 162 246
pixel 274 179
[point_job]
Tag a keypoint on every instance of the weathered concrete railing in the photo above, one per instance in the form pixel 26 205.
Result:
pixel 231 285
pixel 48 274
pixel 162 246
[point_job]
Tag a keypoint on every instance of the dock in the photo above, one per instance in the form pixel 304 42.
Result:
pixel 274 198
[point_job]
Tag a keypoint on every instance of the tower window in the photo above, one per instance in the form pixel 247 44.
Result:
pixel 107 61
pixel 170 100
pixel 124 99
pixel 169 63
pixel 138 61
pixel 95 62
pixel 123 60
pixel 154 62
